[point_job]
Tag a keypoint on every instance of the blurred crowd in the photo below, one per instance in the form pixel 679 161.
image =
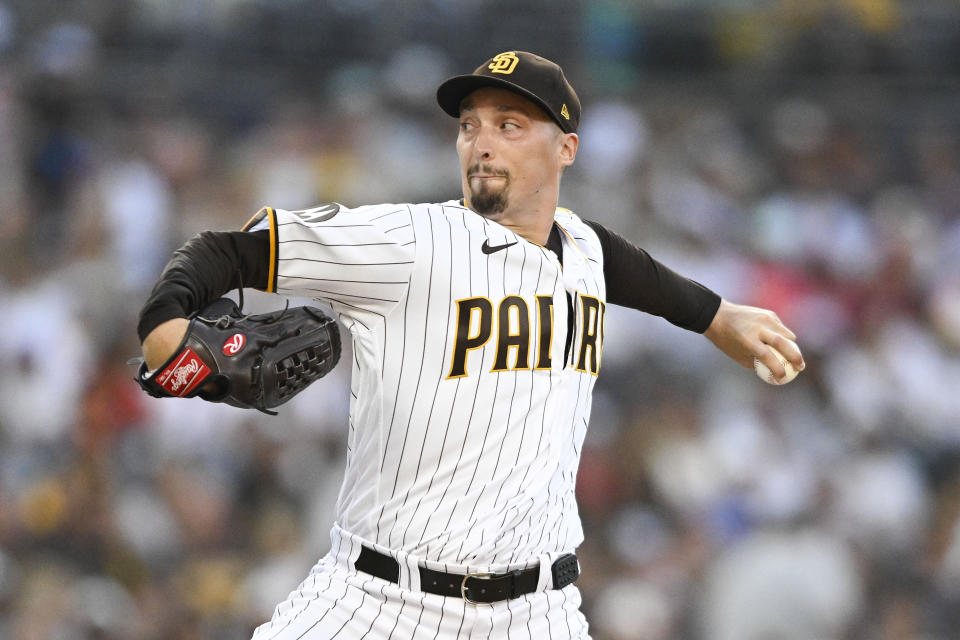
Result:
pixel 803 157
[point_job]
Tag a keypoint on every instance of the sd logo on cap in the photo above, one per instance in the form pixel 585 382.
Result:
pixel 531 76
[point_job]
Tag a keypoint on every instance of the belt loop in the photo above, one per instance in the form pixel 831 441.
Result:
pixel 513 583
pixel 348 552
pixel 545 579
pixel 409 572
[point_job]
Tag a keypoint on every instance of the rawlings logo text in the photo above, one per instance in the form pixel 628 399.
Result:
pixel 184 374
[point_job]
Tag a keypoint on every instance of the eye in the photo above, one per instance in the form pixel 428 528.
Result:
pixel 510 125
pixel 466 126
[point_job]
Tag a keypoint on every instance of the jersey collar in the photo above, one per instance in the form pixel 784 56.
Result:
pixel 554 240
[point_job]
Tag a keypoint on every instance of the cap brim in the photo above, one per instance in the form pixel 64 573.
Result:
pixel 452 92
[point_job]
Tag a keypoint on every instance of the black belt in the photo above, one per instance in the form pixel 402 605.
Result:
pixel 473 587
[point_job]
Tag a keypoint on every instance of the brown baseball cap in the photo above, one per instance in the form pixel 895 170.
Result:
pixel 531 76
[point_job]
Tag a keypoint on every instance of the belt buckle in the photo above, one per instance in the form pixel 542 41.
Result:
pixel 463 586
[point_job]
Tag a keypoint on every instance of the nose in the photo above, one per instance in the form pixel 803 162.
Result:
pixel 483 144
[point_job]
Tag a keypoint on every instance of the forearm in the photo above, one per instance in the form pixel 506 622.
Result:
pixel 163 341
pixel 201 271
pixel 638 281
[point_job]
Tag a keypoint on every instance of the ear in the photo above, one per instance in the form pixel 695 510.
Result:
pixel 568 148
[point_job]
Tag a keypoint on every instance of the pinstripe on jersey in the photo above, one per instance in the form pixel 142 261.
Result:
pixel 469 470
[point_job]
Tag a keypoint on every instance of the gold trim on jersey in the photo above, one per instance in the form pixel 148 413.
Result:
pixel 271 214
pixel 572 240
pixel 274 253
pixel 254 219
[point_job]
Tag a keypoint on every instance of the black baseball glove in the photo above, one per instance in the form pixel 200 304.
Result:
pixel 248 361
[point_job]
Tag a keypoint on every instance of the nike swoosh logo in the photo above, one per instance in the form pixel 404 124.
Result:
pixel 488 249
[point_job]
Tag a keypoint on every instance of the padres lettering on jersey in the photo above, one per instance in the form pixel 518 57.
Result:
pixel 475 357
pixel 474 326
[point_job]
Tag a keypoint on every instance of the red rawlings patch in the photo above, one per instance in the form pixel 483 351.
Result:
pixel 183 374
pixel 234 344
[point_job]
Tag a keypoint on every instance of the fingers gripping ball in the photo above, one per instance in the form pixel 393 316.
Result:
pixel 248 361
pixel 764 373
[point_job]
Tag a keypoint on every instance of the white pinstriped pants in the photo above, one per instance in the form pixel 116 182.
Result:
pixel 337 602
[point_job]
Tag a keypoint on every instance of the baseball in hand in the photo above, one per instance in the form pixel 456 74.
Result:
pixel 764 373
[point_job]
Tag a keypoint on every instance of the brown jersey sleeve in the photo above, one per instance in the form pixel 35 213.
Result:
pixel 635 279
pixel 206 267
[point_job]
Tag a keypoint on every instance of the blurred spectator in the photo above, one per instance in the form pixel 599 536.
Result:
pixel 795 585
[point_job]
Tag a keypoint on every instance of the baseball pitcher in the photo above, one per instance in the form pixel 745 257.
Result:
pixel 477 327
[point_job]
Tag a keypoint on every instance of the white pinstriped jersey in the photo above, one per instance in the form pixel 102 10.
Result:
pixel 469 407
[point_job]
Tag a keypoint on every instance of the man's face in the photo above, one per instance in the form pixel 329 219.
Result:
pixel 510 151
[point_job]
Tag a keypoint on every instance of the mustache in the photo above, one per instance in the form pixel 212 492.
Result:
pixel 486 169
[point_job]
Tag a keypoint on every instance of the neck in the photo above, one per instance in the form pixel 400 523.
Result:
pixel 532 230
pixel 532 223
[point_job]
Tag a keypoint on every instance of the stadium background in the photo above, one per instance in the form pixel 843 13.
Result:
pixel 799 155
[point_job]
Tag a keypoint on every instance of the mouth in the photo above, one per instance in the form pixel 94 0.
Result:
pixel 485 173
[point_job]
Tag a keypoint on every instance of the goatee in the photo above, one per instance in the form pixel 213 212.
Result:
pixel 487 200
